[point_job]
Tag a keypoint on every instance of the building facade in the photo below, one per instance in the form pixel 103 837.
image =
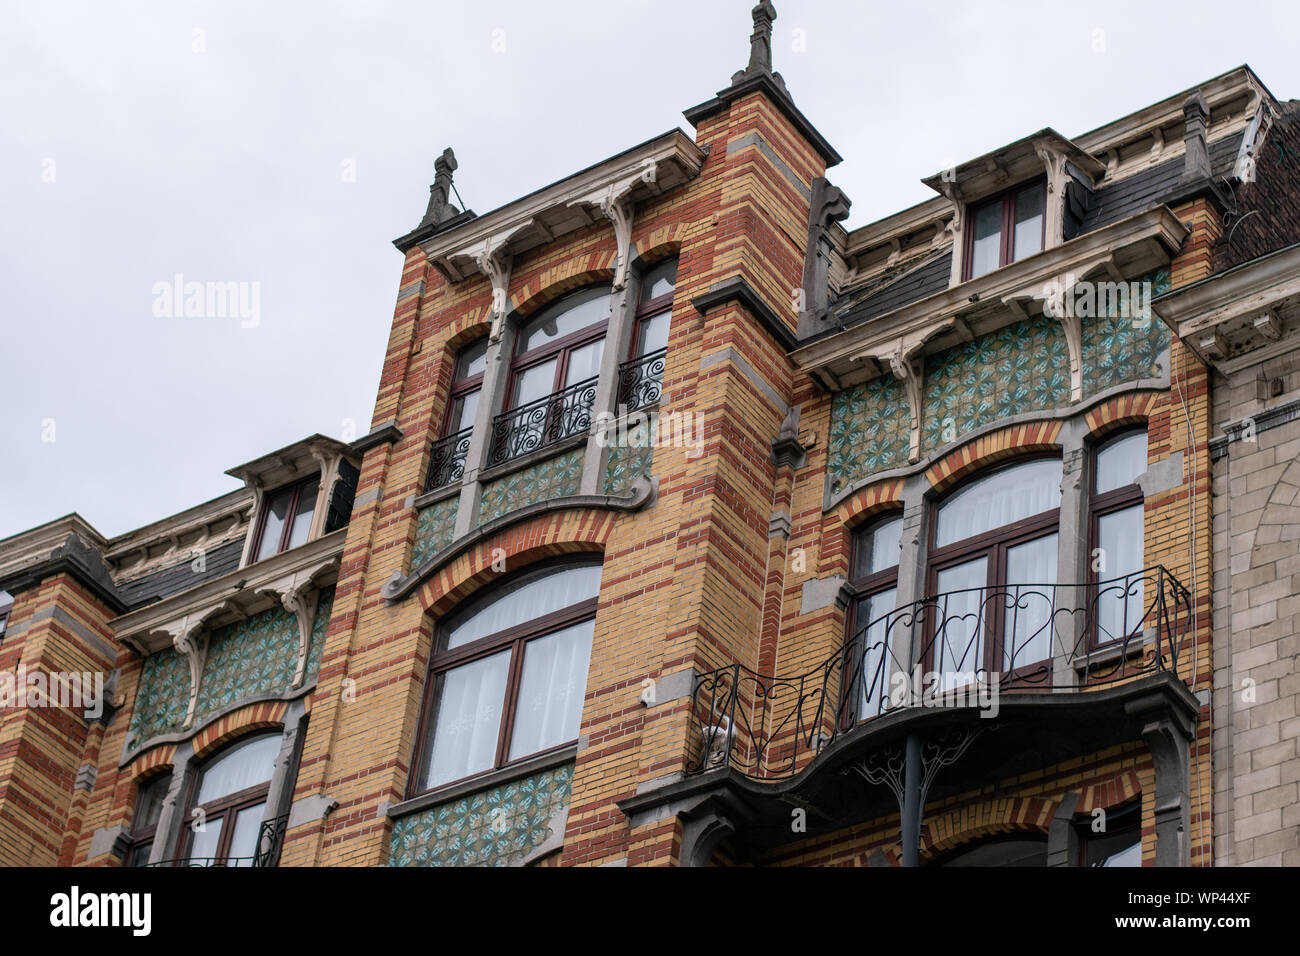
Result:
pixel 693 528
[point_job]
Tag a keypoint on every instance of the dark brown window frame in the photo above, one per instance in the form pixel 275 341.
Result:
pixel 515 639
pixel 650 309
pixel 460 387
pixel 141 837
pixel 863 586
pixel 287 531
pixel 562 347
pixel 992 544
pixel 1130 814
pixel 226 808
pixel 1007 198
pixel 1100 505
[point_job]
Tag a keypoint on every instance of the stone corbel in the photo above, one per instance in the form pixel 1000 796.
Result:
pixel 615 203
pixel 1054 205
pixel 907 369
pixel 1058 304
pixel 495 263
pixel 298 594
pixel 190 638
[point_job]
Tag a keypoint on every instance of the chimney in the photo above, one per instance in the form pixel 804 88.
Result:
pixel 1196 163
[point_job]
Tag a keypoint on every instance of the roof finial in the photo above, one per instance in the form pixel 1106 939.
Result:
pixel 440 207
pixel 760 45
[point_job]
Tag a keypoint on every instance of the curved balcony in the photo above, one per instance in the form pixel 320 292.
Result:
pixel 542 422
pixel 447 460
pixel 957 649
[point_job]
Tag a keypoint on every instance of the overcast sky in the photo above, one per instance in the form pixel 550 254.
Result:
pixel 285 144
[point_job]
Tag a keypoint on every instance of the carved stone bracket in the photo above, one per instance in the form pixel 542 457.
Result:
pixel 299 594
pixel 495 263
pixel 190 638
pixel 615 203
pixel 1057 304
pixel 1054 162
pixel 907 369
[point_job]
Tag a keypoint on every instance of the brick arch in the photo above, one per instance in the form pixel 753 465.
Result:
pixel 1106 794
pixel 573 531
pixel 860 507
pixel 1119 412
pixel 992 448
pixel 264 715
pixel 951 830
pixel 144 765
pixel 658 244
pixel 568 276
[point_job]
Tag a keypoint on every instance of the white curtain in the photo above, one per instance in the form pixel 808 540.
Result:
pixel 469 719
pixel 551 690
pixel 527 602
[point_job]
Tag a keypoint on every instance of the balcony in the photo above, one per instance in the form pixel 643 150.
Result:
pixel 270 838
pixel 447 460
pixel 1018 642
pixel 542 422
pixel 640 381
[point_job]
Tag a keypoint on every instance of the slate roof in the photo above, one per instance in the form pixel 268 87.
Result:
pixel 910 284
pixel 181 577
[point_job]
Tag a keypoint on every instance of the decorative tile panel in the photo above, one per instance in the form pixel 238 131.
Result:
pixel 631 458
pixel 434 529
pixel 555 477
pixel 324 608
pixel 1123 348
pixel 1023 367
pixel 162 696
pixel 496 827
pixel 868 429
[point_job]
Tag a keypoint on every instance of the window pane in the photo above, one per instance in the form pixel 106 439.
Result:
pixel 245 765
pixel 1027 627
pixel 462 412
pixel 149 801
pixel 1120 608
pixel 527 599
pixel 1000 499
pixel 472 359
pixel 877 548
pixel 874 634
pixel 140 854
pixel 1120 462
pixel 533 383
pixel 986 250
pixel 204 842
pixel 660 280
pixel 551 690
pixel 243 842
pixel 959 647
pixel 277 511
pixel 584 362
pixel 1028 237
pixel 302 514
pixel 468 723
pixel 654 334
pixel 577 312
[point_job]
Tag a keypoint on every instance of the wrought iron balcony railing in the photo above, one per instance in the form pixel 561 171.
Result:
pixel 447 460
pixel 543 422
pixel 945 650
pixel 270 838
pixel 641 380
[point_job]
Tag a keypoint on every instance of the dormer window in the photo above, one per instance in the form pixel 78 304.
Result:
pixel 286 518
pixel 1005 228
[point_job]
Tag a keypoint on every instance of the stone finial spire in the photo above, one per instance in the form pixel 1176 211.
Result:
pixel 760 45
pixel 440 207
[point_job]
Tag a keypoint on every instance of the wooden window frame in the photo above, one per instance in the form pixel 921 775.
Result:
pixel 460 387
pixel 515 639
pixel 993 545
pixel 287 531
pixel 562 348
pixel 139 836
pixel 1130 815
pixel 1105 503
pixel 863 586
pixel 225 808
pixel 650 309
pixel 1007 198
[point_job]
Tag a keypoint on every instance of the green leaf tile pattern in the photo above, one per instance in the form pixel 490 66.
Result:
pixel 434 529
pixel 324 608
pixel 495 827
pixel 630 459
pixel 162 696
pixel 553 478
pixel 1123 348
pixel 1023 367
pixel 868 429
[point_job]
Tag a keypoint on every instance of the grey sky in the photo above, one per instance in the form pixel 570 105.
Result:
pixel 230 164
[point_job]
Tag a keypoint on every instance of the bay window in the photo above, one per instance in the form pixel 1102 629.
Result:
pixel 993 573
pixel 1116 521
pixel 508 674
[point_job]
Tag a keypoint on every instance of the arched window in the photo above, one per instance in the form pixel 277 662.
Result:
pixel 873 579
pixel 447 460
pixel 144 819
pixel 508 674
pixel 1115 511
pixel 228 803
pixel 553 374
pixel 993 572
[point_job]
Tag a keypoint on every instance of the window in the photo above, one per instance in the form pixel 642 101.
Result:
pixel 286 518
pixel 873 577
pixel 1006 228
pixel 6 608
pixel 993 572
pixel 553 375
pixel 508 675
pixel 1115 510
pixel 447 461
pixel 144 821
pixel 641 377
pixel 229 800
pixel 1119 843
